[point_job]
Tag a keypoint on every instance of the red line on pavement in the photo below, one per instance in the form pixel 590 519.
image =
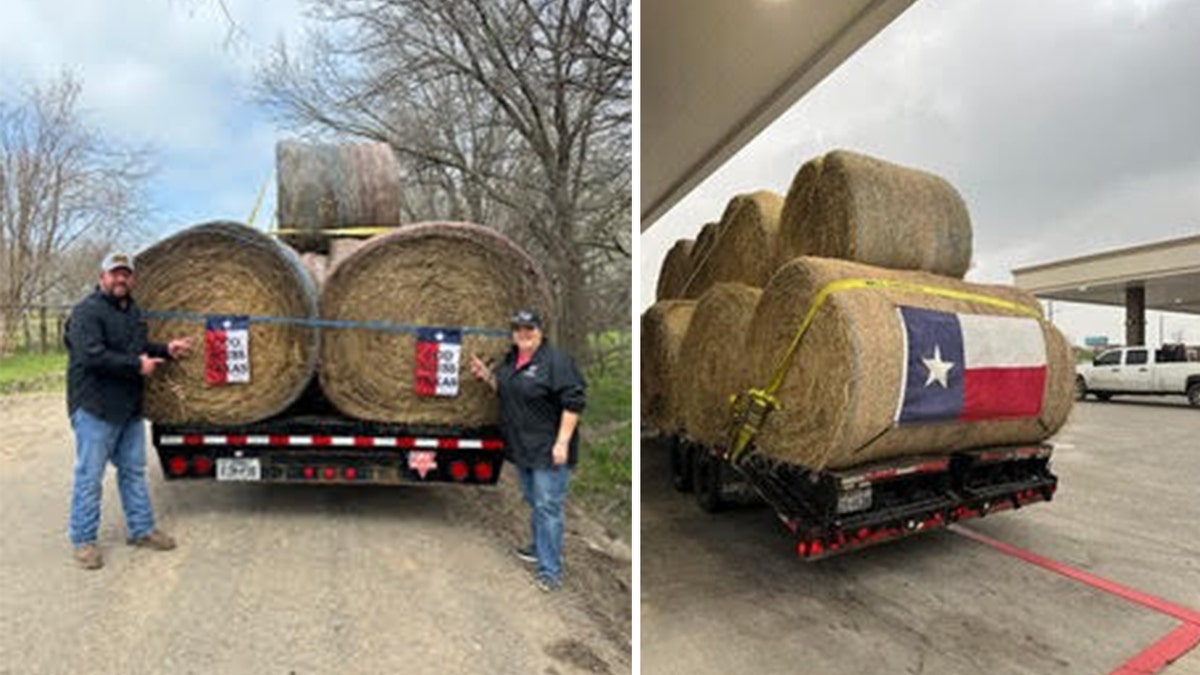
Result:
pixel 1162 653
pixel 1150 660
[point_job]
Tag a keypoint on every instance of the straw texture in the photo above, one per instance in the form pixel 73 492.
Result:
pixel 429 274
pixel 663 328
pixel 871 211
pixel 322 187
pixel 675 270
pixel 713 363
pixel 839 398
pixel 227 269
pixel 743 247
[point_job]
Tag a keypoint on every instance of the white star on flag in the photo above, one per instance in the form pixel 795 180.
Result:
pixel 939 370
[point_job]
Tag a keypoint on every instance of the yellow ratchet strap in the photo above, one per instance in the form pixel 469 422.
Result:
pixel 750 409
pixel 357 231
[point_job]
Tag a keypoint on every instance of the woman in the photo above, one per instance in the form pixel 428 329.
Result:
pixel 541 397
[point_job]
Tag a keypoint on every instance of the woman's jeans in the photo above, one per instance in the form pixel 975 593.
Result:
pixel 545 491
pixel 98 442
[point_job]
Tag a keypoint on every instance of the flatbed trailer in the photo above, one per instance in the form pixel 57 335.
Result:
pixel 831 511
pixel 329 448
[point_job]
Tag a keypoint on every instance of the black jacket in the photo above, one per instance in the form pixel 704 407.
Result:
pixel 104 371
pixel 532 401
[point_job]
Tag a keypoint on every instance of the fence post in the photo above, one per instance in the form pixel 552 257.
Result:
pixel 42 327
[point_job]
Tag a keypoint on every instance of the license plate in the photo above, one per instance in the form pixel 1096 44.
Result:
pixel 239 468
pixel 854 500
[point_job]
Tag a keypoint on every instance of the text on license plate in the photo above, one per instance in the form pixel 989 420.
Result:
pixel 238 468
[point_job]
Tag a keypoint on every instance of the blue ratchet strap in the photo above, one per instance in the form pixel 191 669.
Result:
pixel 383 326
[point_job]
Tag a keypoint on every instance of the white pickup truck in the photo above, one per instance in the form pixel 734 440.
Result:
pixel 1140 370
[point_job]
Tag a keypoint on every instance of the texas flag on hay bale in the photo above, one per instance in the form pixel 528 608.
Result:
pixel 226 350
pixel 439 351
pixel 970 367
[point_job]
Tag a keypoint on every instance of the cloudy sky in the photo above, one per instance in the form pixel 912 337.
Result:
pixel 163 72
pixel 1069 127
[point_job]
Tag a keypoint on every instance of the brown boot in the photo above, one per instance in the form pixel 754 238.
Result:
pixel 88 556
pixel 156 540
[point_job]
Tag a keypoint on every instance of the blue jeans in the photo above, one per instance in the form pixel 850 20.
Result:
pixel 98 442
pixel 545 491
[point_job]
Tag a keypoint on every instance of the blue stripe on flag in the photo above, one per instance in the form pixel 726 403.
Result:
pixel 933 388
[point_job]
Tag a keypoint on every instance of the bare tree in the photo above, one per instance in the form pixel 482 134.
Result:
pixel 63 186
pixel 513 113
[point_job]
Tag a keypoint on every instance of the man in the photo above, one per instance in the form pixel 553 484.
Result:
pixel 541 397
pixel 108 356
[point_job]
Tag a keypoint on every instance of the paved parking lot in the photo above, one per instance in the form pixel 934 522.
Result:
pixel 724 593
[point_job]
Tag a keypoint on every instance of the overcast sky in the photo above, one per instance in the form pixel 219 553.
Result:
pixel 163 72
pixel 1069 127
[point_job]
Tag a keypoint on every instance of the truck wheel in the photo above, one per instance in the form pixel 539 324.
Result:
pixel 706 480
pixel 681 464
pixel 1080 389
pixel 1194 395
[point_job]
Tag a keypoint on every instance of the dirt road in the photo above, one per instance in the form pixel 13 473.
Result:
pixel 291 579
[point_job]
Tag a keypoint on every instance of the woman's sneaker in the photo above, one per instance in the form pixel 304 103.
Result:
pixel 526 554
pixel 546 584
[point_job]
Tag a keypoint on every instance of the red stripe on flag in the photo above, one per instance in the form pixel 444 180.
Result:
pixel 999 393
pixel 425 374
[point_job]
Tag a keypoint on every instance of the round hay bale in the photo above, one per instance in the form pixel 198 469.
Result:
pixel 839 400
pixel 317 265
pixel 713 365
pixel 663 328
pixel 796 209
pixel 676 268
pixel 704 243
pixel 744 247
pixel 227 269
pixel 874 212
pixel 323 187
pixel 428 274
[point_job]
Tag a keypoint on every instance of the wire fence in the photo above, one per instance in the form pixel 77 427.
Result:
pixel 37 329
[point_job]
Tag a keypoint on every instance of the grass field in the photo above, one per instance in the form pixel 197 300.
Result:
pixel 32 371
pixel 604 476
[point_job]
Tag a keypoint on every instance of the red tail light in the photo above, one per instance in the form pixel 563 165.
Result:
pixel 310 472
pixel 351 473
pixel 202 465
pixel 483 472
pixel 330 473
pixel 458 470
pixel 177 465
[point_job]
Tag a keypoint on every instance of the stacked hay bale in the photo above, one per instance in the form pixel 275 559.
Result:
pixel 327 188
pixel 663 328
pixel 676 269
pixel 712 365
pixel 854 207
pixel 739 248
pixel 840 398
pixel 428 274
pixel 846 216
pixel 227 269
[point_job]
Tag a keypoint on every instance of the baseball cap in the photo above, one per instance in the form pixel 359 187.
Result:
pixel 117 260
pixel 526 317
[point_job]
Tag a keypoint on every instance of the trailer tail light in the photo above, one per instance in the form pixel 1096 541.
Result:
pixel 483 472
pixel 458 470
pixel 350 473
pixel 202 465
pixel 177 465
pixel 330 473
pixel 310 472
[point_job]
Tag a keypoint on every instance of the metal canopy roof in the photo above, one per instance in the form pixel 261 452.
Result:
pixel 1168 270
pixel 714 73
